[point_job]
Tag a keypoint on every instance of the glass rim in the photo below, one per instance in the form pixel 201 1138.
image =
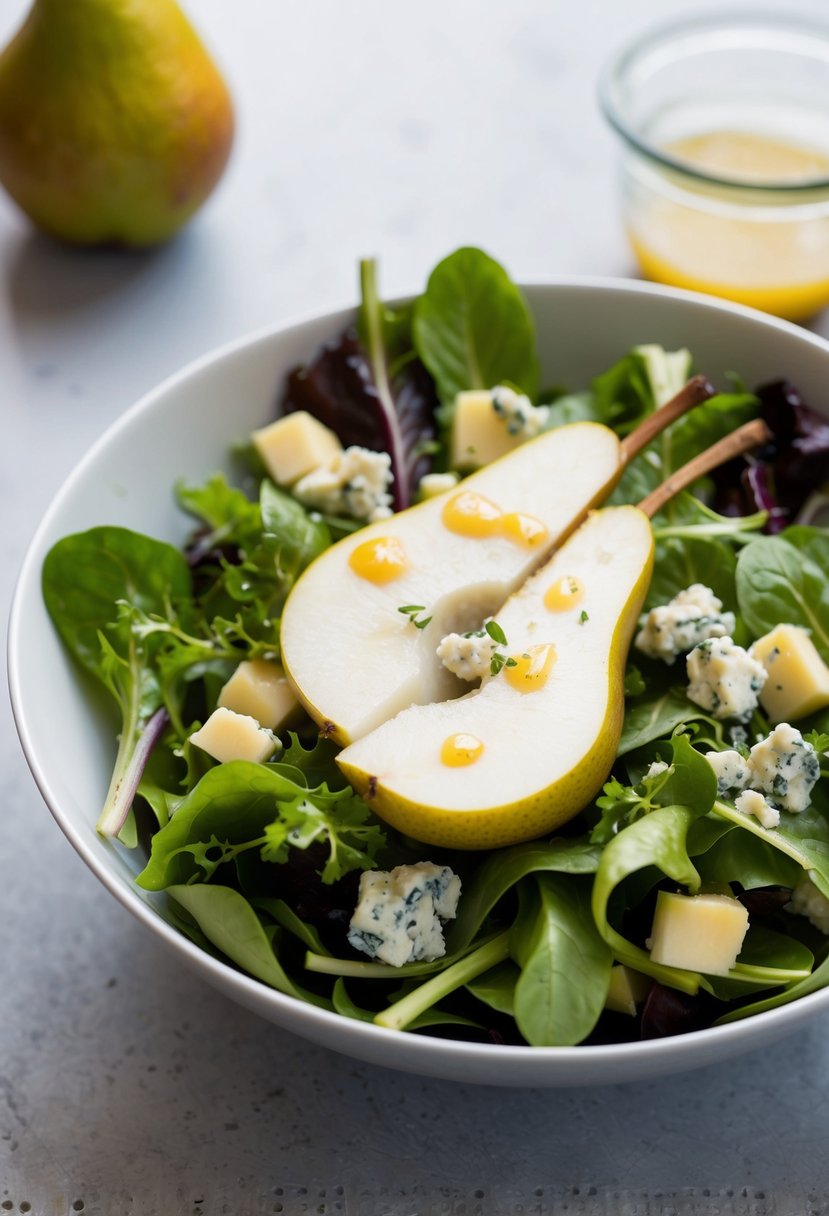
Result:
pixel 615 70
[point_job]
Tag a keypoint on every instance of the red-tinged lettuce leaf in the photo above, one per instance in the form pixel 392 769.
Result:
pixel 373 391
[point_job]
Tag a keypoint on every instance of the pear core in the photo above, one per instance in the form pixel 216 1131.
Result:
pixel 355 660
pixel 544 755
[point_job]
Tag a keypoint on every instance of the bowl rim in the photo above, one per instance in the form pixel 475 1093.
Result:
pixel 620 63
pixel 638 1058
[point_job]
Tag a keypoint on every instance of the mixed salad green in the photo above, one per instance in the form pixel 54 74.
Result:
pixel 261 861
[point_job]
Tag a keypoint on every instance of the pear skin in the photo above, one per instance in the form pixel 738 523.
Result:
pixel 115 123
pixel 544 752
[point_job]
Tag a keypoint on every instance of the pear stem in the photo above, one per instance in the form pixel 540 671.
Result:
pixel 697 390
pixel 752 435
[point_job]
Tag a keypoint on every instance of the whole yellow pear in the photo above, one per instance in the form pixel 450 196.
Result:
pixel 115 124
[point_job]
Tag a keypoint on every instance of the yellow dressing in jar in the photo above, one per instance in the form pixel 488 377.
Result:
pixel 767 247
pixel 563 594
pixel 460 750
pixel 531 669
pixel 379 561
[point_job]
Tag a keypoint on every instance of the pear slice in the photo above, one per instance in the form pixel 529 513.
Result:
pixel 535 754
pixel 355 660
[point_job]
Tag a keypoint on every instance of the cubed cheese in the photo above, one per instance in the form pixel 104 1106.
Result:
pixel 467 656
pixel 698 932
pixel 399 913
pixel 230 736
pixel 724 679
pixel 731 771
pixel 785 768
pixel 294 445
pixel 436 483
pixel 691 617
pixel 261 690
pixel 628 988
pixel 488 423
pixel 798 682
pixel 355 483
pixel 752 802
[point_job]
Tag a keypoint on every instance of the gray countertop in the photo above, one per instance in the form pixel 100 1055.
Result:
pixel 126 1084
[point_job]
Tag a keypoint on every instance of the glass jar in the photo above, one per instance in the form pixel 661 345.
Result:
pixel 724 121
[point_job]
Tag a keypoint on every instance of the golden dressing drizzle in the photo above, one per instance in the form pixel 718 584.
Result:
pixel 459 750
pixel 523 529
pixel 566 593
pixel 532 668
pixel 379 561
pixel 471 514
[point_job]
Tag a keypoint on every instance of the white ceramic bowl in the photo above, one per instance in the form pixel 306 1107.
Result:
pixel 183 430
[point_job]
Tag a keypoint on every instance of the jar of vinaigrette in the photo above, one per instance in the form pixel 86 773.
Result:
pixel 724 121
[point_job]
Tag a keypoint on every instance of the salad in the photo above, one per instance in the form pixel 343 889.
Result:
pixel 689 889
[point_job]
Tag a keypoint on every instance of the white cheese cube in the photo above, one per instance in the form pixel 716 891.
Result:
pixel 398 916
pixel 294 445
pixel 436 483
pixel 731 771
pixel 260 690
pixel 698 932
pixel 691 617
pixel 628 988
pixel 229 736
pixel 798 682
pixel 488 423
pixel 724 679
pixel 751 802
pixel 785 768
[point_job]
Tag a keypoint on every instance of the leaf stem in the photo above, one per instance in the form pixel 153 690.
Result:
pixel 372 316
pixel 399 1015
pixel 130 762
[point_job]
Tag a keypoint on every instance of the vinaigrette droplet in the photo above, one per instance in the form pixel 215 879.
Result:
pixel 379 561
pixel 470 514
pixel 460 750
pixel 566 593
pixel 532 668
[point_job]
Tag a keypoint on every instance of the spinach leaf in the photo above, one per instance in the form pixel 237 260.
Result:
pixel 242 805
pixel 91 582
pixel 228 921
pixel 803 838
pixel 679 563
pixel 506 867
pixel 496 988
pixel 660 840
pixel 565 964
pixel 472 327
pixel 740 856
pixel 777 581
pixel 652 717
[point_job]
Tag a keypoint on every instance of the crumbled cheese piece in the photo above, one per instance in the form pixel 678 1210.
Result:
pixel 657 769
pixel 691 617
pixel 522 419
pixel 437 483
pixel 467 656
pixel 227 736
pixel 724 679
pixel 785 768
pixel 731 771
pixel 810 902
pixel 355 483
pixel 750 802
pixel 398 917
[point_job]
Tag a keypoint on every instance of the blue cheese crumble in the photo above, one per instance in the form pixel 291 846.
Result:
pixel 691 617
pixel 355 483
pixel 723 679
pixel 808 901
pixel 467 655
pixel 751 802
pixel 785 768
pixel 521 418
pixel 399 915
pixel 731 771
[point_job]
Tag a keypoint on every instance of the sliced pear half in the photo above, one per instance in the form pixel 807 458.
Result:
pixel 533 757
pixel 354 659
